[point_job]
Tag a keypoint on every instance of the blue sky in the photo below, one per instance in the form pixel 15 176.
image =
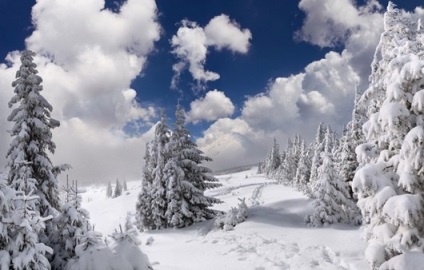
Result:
pixel 284 66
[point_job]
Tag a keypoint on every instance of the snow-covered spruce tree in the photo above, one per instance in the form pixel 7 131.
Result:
pixel 32 136
pixel 286 171
pixel 303 170
pixel 124 185
pixel 6 196
pixel 187 179
pixel 27 156
pixel 71 224
pixel 353 137
pixel 25 249
pixel 152 202
pixel 109 191
pixel 390 182
pixel 318 148
pixel 159 184
pixel 289 164
pixel 126 248
pixel 143 205
pixel 118 189
pixel 273 160
pixel 332 200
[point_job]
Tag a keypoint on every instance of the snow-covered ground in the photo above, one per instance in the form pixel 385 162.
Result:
pixel 274 236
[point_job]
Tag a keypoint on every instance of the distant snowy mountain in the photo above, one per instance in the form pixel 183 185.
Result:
pixel 225 148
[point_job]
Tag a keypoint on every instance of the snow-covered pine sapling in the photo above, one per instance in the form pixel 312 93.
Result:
pixel 72 224
pixel 227 221
pixel 126 248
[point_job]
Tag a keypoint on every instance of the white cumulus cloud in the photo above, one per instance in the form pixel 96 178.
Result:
pixel 222 33
pixel 88 57
pixel 191 44
pixel 213 106
pixel 323 92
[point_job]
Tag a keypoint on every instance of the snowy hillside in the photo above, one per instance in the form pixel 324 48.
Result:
pixel 274 236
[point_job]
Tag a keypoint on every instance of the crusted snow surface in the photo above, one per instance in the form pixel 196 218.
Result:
pixel 274 235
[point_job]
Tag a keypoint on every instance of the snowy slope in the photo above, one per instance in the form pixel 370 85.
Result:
pixel 273 237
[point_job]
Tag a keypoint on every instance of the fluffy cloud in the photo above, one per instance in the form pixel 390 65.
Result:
pixel 213 106
pixel 87 57
pixel 222 33
pixel 276 107
pixel 330 22
pixel 324 91
pixel 191 43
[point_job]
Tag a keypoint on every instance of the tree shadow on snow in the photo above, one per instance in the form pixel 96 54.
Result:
pixel 287 213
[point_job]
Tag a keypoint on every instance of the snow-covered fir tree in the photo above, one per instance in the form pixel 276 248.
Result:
pixel 118 189
pixel 273 160
pixel 143 205
pixel 124 185
pixel 28 162
pixel 187 179
pixel 332 199
pixel 109 190
pixel 32 136
pixel 389 182
pixel 6 196
pixel 318 148
pixel 25 249
pixel 71 225
pixel 152 203
pixel 303 170
pixel 289 163
pixel 159 183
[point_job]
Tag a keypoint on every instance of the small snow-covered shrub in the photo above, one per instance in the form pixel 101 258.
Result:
pixel 233 217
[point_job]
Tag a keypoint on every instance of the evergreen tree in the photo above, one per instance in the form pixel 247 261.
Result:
pixel 32 137
pixel 109 190
pixel 6 196
pixel 303 170
pixel 143 206
pixel 389 181
pixel 351 139
pixel 71 224
pixel 124 185
pixel 25 248
pixel 152 203
pixel 31 173
pixel 118 189
pixel 187 179
pixel 159 183
pixel 273 160
pixel 318 149
pixel 332 203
